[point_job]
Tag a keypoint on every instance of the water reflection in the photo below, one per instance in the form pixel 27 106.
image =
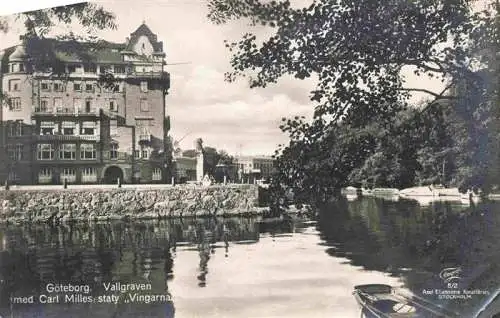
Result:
pixel 416 243
pixel 93 253
pixel 401 238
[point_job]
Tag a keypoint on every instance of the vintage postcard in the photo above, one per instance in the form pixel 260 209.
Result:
pixel 252 158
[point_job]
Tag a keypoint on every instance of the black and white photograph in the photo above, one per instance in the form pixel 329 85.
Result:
pixel 250 158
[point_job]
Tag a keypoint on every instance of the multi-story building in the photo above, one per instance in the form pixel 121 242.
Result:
pixel 250 168
pixel 101 118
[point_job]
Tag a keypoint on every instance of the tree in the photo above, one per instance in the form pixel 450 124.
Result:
pixel 357 51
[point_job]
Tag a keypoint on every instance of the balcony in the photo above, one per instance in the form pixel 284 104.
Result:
pixel 43 111
pixel 145 138
pixel 67 137
pixel 120 156
pixel 66 111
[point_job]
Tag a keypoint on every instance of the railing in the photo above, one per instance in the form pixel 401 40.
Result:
pixel 66 111
pixel 67 137
pixel 145 137
pixel 43 111
pixel 121 156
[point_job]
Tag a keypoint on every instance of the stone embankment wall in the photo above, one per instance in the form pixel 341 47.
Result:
pixel 111 204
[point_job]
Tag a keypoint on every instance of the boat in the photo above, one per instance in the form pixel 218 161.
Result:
pixel 384 301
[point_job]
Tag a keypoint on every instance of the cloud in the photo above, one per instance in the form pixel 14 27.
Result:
pixel 253 122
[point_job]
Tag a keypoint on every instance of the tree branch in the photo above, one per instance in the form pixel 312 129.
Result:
pixel 423 90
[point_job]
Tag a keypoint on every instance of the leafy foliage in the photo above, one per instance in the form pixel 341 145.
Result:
pixel 46 54
pixel 357 51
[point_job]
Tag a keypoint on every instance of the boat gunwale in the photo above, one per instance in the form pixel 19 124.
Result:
pixel 362 297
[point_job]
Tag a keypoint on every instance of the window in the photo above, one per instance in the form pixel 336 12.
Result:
pixel 14 85
pixel 77 104
pixel 47 128
pixel 15 128
pixel 113 152
pixel 11 129
pixel 69 131
pixel 45 152
pixel 89 171
pixel 137 154
pixel 87 131
pixel 10 152
pixel 13 176
pixel 119 69
pixel 145 153
pixel 15 103
pixel 113 127
pixel 112 106
pixel 77 87
pixel 89 68
pixel 19 128
pixel 58 87
pixel 69 173
pixel 44 105
pixel 58 105
pixel 144 86
pixel 88 106
pixel 87 151
pixel 116 88
pixel 21 67
pixel 143 128
pixel 68 128
pixel 88 128
pixel 89 87
pixel 45 86
pixel 103 69
pixel 156 174
pixel 144 105
pixel 67 152
pixel 45 173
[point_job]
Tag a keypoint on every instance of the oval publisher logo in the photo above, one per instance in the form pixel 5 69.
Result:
pixel 450 274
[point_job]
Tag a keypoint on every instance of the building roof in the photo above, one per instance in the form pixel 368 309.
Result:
pixel 19 54
pixel 144 30
pixel 74 51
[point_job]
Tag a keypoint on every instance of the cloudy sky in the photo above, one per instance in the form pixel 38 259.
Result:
pixel 228 116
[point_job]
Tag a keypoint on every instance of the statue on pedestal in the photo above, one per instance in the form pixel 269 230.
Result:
pixel 200 160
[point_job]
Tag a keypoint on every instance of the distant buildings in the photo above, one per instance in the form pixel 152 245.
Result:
pixel 251 168
pixel 244 169
pixel 185 169
pixel 74 127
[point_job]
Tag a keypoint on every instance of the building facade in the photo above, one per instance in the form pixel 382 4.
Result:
pixel 101 119
pixel 251 168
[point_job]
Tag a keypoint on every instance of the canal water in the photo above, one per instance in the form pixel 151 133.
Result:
pixel 244 267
